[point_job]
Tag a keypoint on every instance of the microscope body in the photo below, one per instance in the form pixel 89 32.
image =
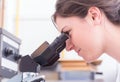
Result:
pixel 45 55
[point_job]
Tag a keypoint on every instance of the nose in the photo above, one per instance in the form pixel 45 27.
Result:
pixel 69 45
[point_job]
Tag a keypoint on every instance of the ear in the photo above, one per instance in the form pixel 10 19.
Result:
pixel 95 15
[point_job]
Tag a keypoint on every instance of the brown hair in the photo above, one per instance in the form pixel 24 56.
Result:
pixel 67 8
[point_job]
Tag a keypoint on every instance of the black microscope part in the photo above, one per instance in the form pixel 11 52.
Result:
pixel 50 52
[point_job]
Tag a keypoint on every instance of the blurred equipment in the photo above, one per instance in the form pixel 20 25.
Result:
pixel 46 55
pixel 27 77
pixel 9 54
pixel 79 70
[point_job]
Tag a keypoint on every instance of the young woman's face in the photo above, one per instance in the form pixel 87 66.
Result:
pixel 85 37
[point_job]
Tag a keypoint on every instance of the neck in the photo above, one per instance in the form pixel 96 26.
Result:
pixel 112 41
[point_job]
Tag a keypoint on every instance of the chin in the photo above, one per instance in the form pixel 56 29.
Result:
pixel 89 59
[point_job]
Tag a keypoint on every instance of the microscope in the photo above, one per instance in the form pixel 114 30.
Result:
pixel 45 55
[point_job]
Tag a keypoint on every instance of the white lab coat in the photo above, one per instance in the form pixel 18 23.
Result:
pixel 118 75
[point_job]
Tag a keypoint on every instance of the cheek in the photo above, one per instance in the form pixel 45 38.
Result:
pixel 80 37
pixel 87 36
pixel 90 42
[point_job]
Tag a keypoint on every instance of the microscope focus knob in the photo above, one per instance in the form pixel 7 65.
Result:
pixel 8 51
pixel 17 57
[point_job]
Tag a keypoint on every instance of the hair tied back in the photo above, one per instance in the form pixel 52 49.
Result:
pixel 119 12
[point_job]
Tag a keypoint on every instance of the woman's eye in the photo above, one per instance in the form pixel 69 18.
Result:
pixel 68 32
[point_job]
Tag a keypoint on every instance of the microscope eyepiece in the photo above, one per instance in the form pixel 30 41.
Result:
pixel 47 54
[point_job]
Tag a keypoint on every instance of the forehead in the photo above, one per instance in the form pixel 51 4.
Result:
pixel 62 22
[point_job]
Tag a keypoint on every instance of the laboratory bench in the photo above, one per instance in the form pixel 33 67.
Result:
pixel 98 80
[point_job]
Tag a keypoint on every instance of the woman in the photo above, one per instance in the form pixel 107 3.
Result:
pixel 93 27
